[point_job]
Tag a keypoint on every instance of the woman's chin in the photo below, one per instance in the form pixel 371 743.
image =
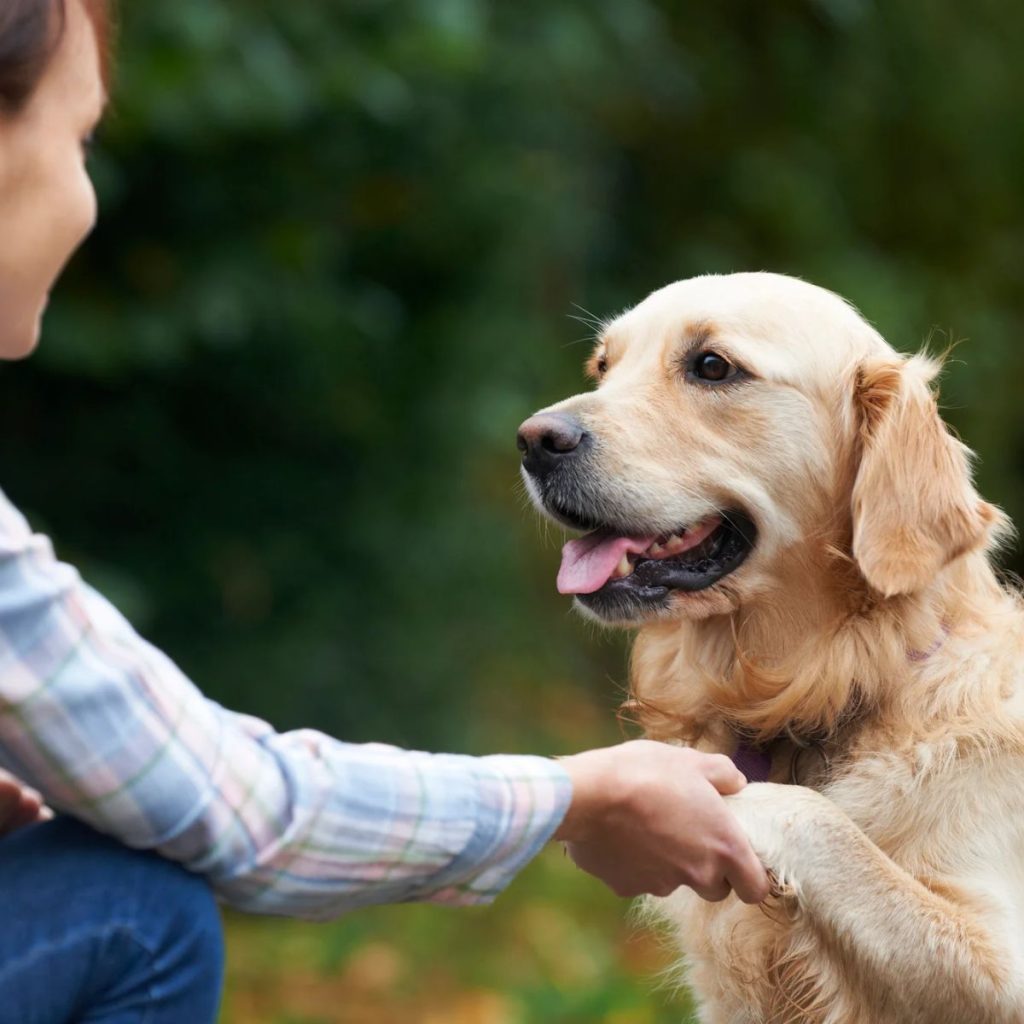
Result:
pixel 19 341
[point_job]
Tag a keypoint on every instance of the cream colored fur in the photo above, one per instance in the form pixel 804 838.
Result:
pixel 866 641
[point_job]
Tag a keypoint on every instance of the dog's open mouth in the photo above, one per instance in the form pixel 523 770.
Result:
pixel 606 568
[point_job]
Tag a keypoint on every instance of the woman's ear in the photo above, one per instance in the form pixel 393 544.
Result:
pixel 914 505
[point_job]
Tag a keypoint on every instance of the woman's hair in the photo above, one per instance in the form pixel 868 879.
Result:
pixel 30 31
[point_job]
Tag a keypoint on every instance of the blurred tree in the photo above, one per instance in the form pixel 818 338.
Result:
pixel 274 412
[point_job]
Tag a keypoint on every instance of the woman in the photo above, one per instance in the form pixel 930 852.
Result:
pixel 115 737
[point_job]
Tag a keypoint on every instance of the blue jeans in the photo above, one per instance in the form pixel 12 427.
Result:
pixel 91 931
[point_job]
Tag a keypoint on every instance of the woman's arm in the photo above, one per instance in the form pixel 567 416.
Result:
pixel 108 729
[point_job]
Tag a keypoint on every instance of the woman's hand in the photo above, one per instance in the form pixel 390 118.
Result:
pixel 647 817
pixel 19 805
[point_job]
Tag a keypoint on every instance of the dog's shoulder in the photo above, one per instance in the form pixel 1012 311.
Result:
pixel 942 799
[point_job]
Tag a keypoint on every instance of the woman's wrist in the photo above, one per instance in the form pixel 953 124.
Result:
pixel 595 789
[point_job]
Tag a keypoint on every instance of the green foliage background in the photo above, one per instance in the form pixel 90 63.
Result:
pixel 341 245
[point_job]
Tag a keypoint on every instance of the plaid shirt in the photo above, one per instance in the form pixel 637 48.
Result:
pixel 111 731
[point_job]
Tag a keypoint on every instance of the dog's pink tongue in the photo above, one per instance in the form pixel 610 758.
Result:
pixel 588 562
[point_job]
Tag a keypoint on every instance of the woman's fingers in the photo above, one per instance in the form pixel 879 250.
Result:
pixel 722 773
pixel 19 805
pixel 748 877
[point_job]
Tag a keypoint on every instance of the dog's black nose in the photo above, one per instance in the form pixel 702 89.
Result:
pixel 548 439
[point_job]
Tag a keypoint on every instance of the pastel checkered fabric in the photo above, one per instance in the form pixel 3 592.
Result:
pixel 111 731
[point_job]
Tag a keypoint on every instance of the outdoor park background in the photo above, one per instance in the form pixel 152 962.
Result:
pixel 341 249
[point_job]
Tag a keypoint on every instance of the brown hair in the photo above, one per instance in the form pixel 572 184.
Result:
pixel 30 31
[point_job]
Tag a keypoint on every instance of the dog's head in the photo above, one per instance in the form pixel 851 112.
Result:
pixel 741 424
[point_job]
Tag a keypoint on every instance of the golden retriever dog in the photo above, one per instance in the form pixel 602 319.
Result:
pixel 771 497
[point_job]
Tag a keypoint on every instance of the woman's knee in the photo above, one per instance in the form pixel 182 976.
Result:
pixel 188 909
pixel 180 921
pixel 172 914
pixel 154 924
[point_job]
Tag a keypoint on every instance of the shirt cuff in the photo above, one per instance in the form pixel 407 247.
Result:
pixel 521 801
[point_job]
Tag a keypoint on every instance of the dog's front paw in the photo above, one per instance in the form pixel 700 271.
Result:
pixel 779 822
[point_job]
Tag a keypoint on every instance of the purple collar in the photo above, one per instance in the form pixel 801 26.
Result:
pixel 913 655
pixel 755 764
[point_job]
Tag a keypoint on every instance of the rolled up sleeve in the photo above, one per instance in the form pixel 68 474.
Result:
pixel 111 731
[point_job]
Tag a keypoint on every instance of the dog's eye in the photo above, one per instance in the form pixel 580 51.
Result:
pixel 602 365
pixel 712 367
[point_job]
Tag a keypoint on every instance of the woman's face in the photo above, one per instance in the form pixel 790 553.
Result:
pixel 47 203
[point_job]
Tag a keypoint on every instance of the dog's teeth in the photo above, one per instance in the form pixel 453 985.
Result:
pixel 656 549
pixel 624 568
pixel 673 544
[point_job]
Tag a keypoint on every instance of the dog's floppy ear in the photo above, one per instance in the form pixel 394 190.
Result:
pixel 914 506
